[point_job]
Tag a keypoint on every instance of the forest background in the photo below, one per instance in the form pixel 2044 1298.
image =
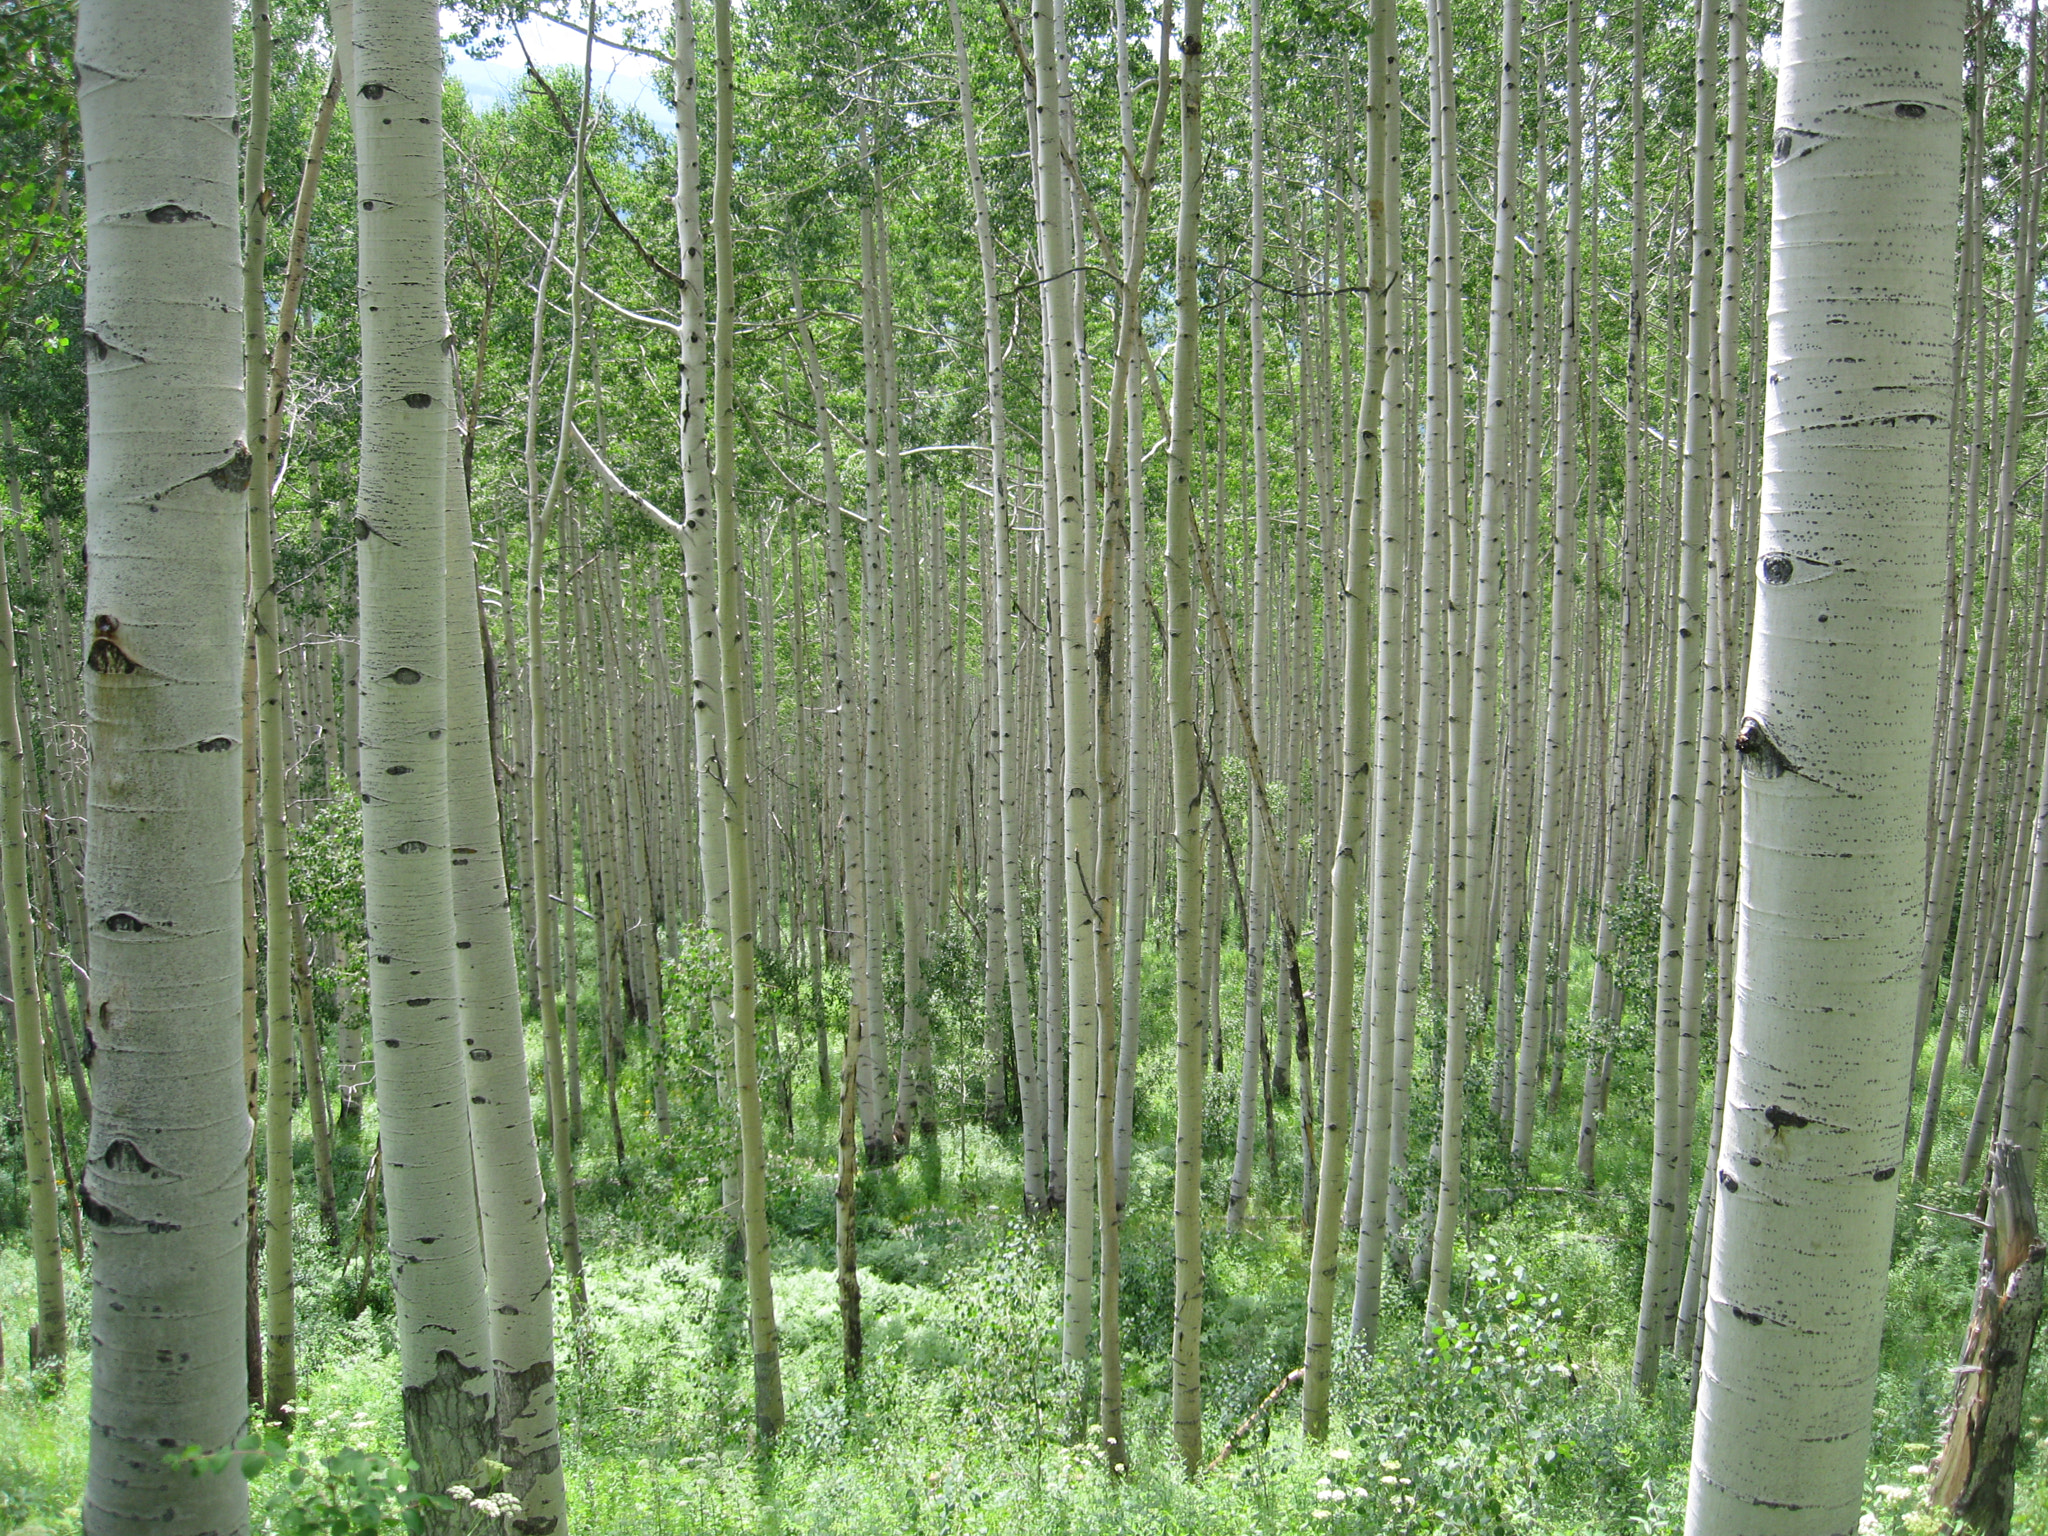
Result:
pixel 1568 355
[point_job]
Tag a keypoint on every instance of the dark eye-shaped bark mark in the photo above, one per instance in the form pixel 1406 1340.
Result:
pixel 1791 143
pixel 1760 755
pixel 123 1156
pixel 233 474
pixel 217 744
pixel 107 655
pixel 109 1219
pixel 126 922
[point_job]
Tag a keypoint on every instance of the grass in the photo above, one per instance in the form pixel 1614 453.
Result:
pixel 1519 1419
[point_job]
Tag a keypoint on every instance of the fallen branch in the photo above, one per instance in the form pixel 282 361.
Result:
pixel 1254 1416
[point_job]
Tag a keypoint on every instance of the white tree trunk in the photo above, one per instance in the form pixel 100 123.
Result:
pixel 734 770
pixel 393 78
pixel 1833 742
pixel 166 473
pixel 1182 702
pixel 49 1335
pixel 512 1203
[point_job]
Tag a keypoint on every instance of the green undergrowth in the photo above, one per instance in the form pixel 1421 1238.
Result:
pixel 1518 1418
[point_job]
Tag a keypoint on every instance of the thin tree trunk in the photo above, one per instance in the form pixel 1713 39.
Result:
pixel 1677 1046
pixel 1182 703
pixel 49 1336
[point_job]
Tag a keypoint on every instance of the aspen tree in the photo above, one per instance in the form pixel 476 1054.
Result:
pixel 1606 1002
pixel 511 1200
pixel 1182 702
pixel 734 767
pixel 1141 177
pixel 875 851
pixel 1446 442
pixel 49 1335
pixel 1395 896
pixel 270 388
pixel 167 470
pixel 1948 782
pixel 1549 876
pixel 280 1371
pixel 1971 826
pixel 1257 875
pixel 709 694
pixel 1677 1044
pixel 1083 913
pixel 1495 473
pixel 1719 723
pixel 1834 730
pixel 838 663
pixel 558 1039
pixel 1350 856
pixel 394 84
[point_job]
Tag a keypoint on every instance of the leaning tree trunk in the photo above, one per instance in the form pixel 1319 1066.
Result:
pixel 511 1200
pixel 1833 746
pixel 166 472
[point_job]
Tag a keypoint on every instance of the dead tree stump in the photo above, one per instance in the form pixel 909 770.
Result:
pixel 1973 1478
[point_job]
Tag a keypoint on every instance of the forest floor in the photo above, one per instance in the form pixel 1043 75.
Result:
pixel 1519 1419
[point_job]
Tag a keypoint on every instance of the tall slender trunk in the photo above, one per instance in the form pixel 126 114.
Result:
pixel 429 1186
pixel 1677 1036
pixel 847 775
pixel 280 1370
pixel 1447 434
pixel 558 1039
pixel 1182 704
pixel 1350 855
pixel 735 768
pixel 1549 876
pixel 49 1336
pixel 511 1200
pixel 1395 895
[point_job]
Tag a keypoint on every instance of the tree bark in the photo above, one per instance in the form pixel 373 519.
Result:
pixel 1833 744
pixel 168 471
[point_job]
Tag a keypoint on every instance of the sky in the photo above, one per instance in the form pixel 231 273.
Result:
pixel 629 79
